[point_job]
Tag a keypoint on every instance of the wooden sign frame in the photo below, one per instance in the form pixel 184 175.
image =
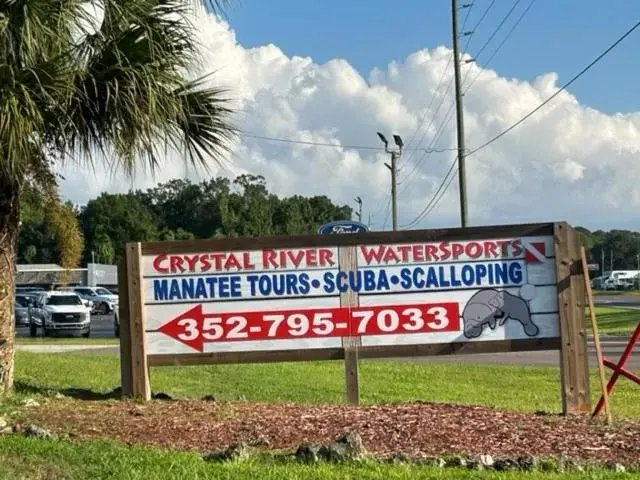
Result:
pixel 571 344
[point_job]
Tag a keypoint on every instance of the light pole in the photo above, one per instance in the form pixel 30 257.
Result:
pixel 395 154
pixel 359 212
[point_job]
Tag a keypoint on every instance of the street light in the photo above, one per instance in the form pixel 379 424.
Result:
pixel 395 154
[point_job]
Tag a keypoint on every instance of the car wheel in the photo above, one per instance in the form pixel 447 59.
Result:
pixel 33 330
pixel 116 330
pixel 102 308
pixel 87 334
pixel 47 333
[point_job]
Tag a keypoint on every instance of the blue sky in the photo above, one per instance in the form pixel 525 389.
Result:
pixel 556 35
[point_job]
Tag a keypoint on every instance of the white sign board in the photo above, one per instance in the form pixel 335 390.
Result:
pixel 407 294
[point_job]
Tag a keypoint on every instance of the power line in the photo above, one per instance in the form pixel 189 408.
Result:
pixel 504 40
pixel 334 145
pixel 564 87
pixel 484 14
pixel 446 184
pixel 427 208
pixel 447 116
pixel 497 29
pixel 424 115
pixel 433 202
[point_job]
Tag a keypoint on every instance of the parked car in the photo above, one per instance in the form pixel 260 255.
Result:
pixel 29 289
pixel 23 305
pixel 104 301
pixel 116 323
pixel 60 312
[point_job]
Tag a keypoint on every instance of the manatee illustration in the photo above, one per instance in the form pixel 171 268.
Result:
pixel 486 307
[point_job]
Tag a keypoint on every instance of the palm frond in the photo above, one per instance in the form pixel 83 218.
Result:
pixel 118 89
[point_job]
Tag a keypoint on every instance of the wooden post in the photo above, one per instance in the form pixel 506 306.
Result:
pixel 126 372
pixel 140 387
pixel 348 262
pixel 596 335
pixel 574 366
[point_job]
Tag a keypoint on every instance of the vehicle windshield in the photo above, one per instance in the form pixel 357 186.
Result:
pixel 103 291
pixel 22 302
pixel 64 300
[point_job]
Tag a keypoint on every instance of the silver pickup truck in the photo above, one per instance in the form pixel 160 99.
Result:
pixel 60 312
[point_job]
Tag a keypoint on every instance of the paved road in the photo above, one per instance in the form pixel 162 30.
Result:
pixel 102 327
pixel 626 301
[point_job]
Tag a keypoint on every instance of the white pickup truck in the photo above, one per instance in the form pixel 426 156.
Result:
pixel 60 311
pixel 104 301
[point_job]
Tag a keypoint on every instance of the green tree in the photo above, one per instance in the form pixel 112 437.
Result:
pixel 50 232
pixel 116 219
pixel 102 246
pixel 74 88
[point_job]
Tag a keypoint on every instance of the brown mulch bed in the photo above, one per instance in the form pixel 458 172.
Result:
pixel 414 429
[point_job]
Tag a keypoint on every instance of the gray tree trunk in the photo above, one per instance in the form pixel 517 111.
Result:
pixel 9 225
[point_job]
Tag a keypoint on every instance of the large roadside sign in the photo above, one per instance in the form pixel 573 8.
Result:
pixel 363 295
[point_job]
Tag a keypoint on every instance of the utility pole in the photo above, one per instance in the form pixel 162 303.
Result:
pixel 611 259
pixel 395 154
pixel 459 117
pixel 359 212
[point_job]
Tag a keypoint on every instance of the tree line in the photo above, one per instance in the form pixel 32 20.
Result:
pixel 56 232
pixel 176 210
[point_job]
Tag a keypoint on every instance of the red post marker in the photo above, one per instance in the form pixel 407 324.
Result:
pixel 195 327
pixel 618 369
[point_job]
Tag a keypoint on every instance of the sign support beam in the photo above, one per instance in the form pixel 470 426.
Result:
pixel 574 367
pixel 136 312
pixel 348 263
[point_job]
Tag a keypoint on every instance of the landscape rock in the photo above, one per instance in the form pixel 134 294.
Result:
pixel 618 467
pixel 486 461
pixel 35 431
pixel 30 402
pixel 346 447
pixel 456 462
pixel 234 453
pixel 3 423
pixel 308 453
pixel 526 462
pixel 6 431
pixel 505 464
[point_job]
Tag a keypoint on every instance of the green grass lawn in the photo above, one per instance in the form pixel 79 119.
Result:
pixel 631 293
pixel 614 321
pixel 514 387
pixel 50 459
pixel 520 388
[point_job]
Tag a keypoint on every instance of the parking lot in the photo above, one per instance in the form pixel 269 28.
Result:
pixel 101 327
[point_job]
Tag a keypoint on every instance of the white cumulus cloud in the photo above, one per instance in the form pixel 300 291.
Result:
pixel 567 162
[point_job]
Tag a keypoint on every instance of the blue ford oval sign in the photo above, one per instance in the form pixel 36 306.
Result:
pixel 342 226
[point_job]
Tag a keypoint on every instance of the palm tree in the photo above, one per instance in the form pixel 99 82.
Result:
pixel 83 79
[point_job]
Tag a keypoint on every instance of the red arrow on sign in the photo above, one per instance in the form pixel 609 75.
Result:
pixel 186 327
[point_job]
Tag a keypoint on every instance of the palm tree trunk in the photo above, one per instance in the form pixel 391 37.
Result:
pixel 9 225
